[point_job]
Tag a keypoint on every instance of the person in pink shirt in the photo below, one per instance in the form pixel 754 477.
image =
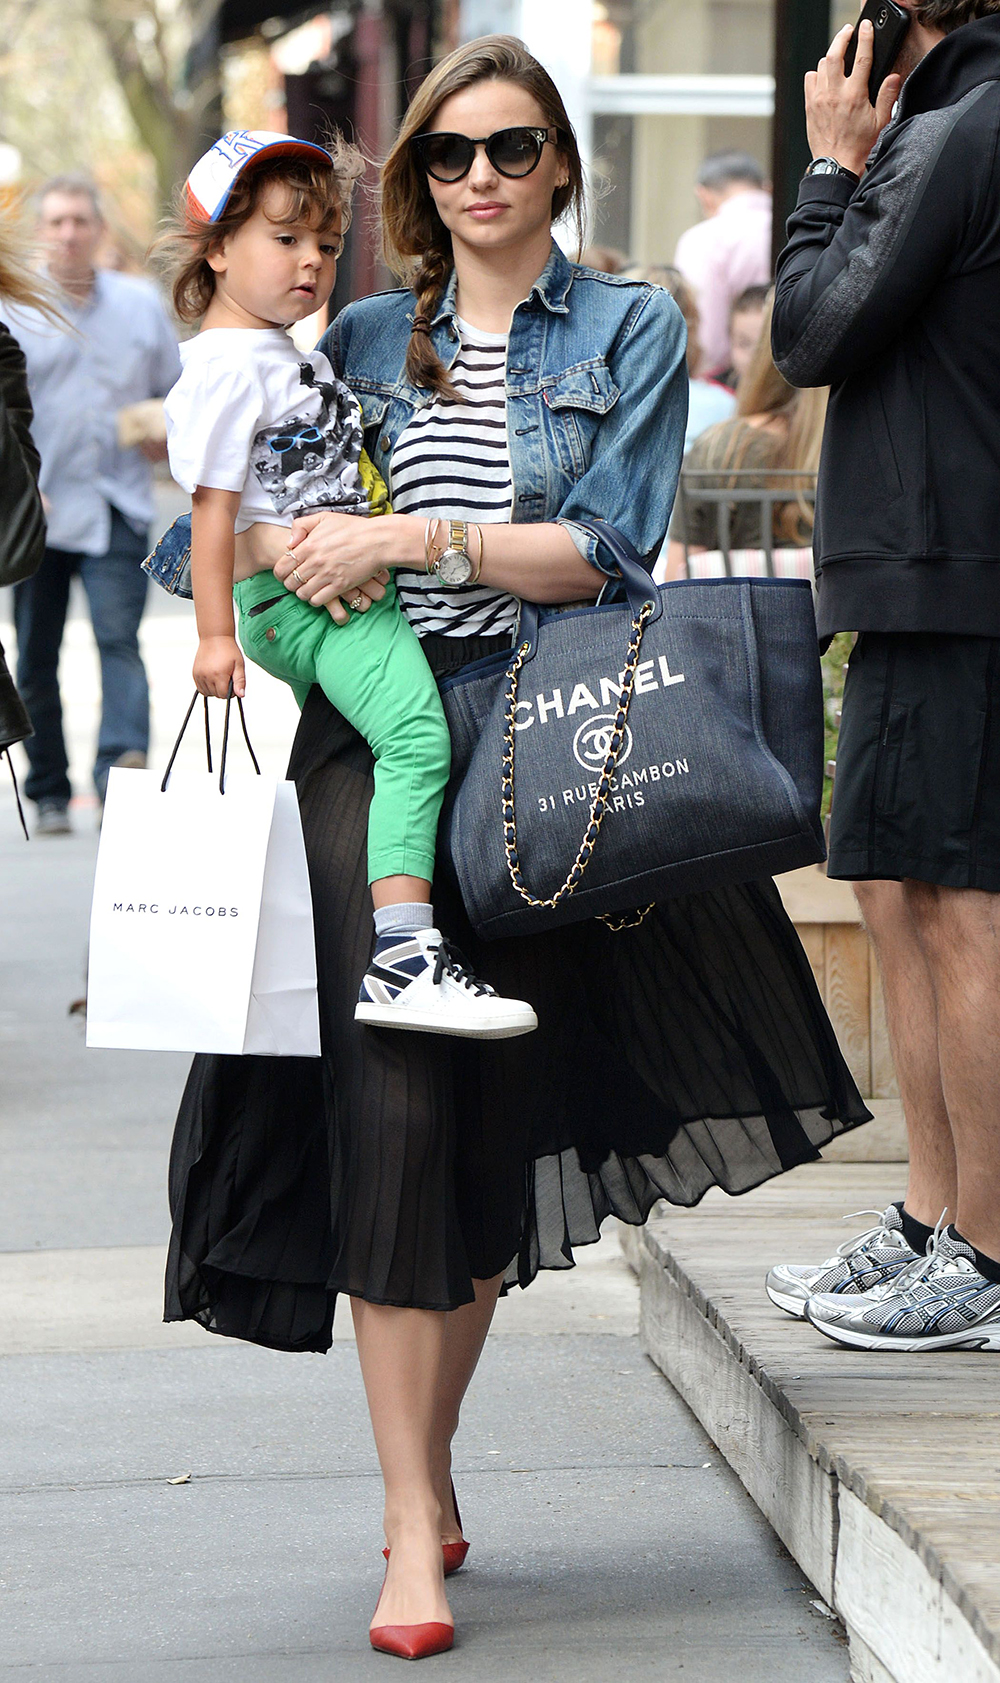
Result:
pixel 728 251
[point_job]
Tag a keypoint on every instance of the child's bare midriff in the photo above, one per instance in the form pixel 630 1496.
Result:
pixel 258 549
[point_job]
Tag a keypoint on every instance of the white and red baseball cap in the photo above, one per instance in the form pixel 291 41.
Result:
pixel 214 176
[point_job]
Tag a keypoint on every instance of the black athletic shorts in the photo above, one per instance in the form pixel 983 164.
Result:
pixel 917 790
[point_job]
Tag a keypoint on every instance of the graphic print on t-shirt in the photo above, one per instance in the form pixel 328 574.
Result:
pixel 306 464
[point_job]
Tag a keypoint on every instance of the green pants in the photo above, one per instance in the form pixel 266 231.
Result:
pixel 374 673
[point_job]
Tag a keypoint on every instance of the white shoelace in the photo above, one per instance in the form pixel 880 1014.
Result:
pixel 929 1266
pixel 859 1241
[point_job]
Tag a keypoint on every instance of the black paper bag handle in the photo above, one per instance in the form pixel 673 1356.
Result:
pixel 208 739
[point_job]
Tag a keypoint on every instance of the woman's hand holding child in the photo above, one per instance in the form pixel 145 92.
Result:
pixel 338 564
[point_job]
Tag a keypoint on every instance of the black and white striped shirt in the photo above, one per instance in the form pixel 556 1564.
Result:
pixel 452 461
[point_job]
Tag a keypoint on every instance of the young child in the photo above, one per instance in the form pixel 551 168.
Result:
pixel 259 434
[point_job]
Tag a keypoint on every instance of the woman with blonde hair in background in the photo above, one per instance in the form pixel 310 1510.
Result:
pixel 776 430
pixel 22 527
pixel 507 395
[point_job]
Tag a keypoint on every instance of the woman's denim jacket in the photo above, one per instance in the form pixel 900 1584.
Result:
pixel 596 395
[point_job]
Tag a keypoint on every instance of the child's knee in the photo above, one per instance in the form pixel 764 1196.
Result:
pixel 431 731
pixel 417 737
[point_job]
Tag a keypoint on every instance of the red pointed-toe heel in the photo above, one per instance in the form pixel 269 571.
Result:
pixel 412 1642
pixel 454 1553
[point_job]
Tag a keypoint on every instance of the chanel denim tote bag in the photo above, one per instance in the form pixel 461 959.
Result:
pixel 660 742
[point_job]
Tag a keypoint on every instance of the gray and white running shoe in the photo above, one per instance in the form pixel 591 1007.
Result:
pixel 941 1302
pixel 870 1260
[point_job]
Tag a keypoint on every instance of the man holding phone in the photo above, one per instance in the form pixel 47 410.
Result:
pixel 888 291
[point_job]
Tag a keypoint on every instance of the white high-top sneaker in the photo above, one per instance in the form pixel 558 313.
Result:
pixel 422 983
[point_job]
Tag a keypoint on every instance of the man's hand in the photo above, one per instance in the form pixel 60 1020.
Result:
pixel 841 122
pixel 217 663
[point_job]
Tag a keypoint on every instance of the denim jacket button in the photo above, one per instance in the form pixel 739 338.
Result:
pixel 383 442
pixel 270 634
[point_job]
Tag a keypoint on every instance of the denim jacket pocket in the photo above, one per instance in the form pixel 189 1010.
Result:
pixel 579 399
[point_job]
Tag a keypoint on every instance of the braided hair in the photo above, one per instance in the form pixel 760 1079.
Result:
pixel 423 365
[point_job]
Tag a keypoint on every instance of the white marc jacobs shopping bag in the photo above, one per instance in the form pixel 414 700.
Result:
pixel 201 931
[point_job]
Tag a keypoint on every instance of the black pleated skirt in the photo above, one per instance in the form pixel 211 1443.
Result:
pixel 690 1052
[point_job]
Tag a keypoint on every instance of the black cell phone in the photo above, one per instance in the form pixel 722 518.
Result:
pixel 890 23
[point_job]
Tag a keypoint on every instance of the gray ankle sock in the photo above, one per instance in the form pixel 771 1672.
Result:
pixel 404 919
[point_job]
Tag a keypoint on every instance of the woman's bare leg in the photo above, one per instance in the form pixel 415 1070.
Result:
pixel 401 1352
pixel 464 1337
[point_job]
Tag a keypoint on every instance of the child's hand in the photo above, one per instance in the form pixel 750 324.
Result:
pixel 217 663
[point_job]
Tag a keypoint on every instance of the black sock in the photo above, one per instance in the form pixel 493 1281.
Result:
pixel 915 1233
pixel 988 1266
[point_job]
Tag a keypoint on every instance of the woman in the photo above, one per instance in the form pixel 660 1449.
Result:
pixel 775 430
pixel 418 1176
pixel 746 323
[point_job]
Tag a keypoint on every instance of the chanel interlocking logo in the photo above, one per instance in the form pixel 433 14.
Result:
pixel 592 742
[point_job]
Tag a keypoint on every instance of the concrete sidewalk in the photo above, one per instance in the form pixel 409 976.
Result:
pixel 608 1535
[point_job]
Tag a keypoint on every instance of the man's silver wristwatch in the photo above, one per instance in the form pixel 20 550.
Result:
pixel 454 565
pixel 830 166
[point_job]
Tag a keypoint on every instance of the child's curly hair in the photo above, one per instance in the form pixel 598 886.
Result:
pixel 318 193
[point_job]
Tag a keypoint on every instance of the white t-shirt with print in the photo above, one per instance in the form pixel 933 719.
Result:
pixel 253 414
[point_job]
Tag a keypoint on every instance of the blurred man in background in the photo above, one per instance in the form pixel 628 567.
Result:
pixel 730 250
pixel 120 350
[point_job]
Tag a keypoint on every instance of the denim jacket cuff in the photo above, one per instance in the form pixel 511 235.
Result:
pixel 587 544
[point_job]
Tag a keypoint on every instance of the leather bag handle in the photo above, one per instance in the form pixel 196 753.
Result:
pixel 633 577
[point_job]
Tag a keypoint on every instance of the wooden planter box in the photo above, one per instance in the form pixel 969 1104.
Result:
pixel 826 917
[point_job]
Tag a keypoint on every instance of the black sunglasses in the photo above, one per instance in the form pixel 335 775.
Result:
pixel 512 152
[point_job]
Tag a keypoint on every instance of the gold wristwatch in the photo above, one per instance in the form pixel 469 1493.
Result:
pixel 454 565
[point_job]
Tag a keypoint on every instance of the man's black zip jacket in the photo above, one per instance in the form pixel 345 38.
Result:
pixel 890 294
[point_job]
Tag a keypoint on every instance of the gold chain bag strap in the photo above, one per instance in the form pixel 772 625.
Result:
pixel 600 801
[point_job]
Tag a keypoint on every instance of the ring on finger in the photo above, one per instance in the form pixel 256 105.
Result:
pixel 297 576
pixel 357 602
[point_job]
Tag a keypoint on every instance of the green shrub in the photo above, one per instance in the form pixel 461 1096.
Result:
pixel 834 664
